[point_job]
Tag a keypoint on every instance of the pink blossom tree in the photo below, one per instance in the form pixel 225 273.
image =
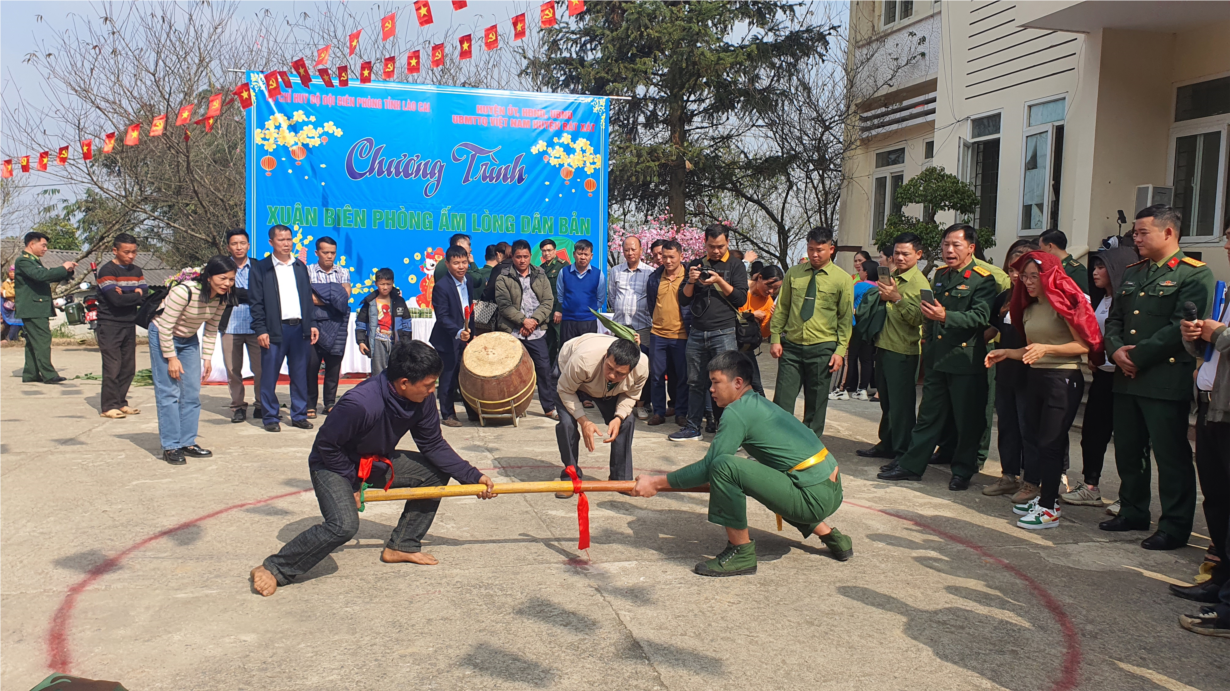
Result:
pixel 656 228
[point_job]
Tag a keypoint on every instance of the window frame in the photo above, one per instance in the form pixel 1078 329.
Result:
pixel 1026 133
pixel 966 163
pixel 1186 128
pixel 899 20
pixel 887 173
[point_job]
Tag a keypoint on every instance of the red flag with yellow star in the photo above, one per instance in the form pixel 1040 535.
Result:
pixel 272 88
pixel 207 121
pixel 215 106
pixel 437 55
pixel 132 137
pixel 353 41
pixel 459 5
pixel 109 143
pixel 244 93
pixel 325 76
pixel 466 46
pixel 322 55
pixel 185 115
pixel 285 79
pixel 390 69
pixel 413 63
pixel 546 13
pixel 422 10
pixel 491 37
pixel 575 7
pixel 343 75
pixel 300 68
pixel 388 26
pixel 7 171
pixel 365 73
pixel 25 164
pixel 160 123
pixel 87 149
pixel 62 156
pixel 518 27
pixel 42 160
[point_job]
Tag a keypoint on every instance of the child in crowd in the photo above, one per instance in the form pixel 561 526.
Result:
pixel 383 320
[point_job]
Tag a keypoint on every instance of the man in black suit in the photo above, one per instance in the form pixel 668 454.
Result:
pixel 280 295
pixel 453 300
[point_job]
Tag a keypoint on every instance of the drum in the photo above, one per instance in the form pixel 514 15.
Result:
pixel 497 377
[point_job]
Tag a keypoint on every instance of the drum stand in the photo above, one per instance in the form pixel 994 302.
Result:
pixel 503 409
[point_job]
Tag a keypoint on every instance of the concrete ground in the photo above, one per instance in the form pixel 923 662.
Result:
pixel 118 566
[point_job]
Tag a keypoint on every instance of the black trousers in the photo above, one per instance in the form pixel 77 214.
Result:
pixel 537 348
pixel 1015 445
pixel 568 436
pixel 1052 397
pixel 1098 425
pixel 860 365
pixel 333 371
pixel 1213 469
pixel 117 341
pixel 569 330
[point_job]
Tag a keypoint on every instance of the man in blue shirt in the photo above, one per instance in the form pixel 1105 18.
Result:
pixel 581 288
pixel 237 333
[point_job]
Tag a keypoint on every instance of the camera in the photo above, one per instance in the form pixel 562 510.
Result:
pixel 705 274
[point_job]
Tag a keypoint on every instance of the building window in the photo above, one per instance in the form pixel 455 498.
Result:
pixel 980 167
pixel 889 177
pixel 929 150
pixel 1042 166
pixel 1202 100
pixel 897 10
pixel 1197 166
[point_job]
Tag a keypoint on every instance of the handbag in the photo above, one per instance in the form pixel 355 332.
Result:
pixel 485 315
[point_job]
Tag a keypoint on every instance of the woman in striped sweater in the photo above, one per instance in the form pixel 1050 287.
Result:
pixel 178 360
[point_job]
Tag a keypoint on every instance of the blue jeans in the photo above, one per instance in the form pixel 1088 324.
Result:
pixel 702 347
pixel 663 353
pixel 295 349
pixel 179 401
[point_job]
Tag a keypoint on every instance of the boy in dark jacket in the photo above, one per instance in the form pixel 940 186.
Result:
pixel 383 320
pixel 121 289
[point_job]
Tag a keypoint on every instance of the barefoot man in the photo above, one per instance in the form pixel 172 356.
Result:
pixel 369 421
pixel 789 471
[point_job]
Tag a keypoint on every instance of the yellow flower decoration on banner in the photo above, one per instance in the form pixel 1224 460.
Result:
pixel 277 132
pixel 582 156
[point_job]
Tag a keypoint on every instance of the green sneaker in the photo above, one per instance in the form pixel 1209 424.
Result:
pixel 839 544
pixel 733 561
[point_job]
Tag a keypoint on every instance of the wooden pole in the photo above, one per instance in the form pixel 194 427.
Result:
pixel 412 493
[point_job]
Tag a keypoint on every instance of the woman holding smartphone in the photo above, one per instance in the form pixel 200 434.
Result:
pixel 1059 328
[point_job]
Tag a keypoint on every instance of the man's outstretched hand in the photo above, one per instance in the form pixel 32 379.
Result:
pixel 649 485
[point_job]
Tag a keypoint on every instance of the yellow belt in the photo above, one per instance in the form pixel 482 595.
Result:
pixel 814 460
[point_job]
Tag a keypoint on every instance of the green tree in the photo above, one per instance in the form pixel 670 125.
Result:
pixel 697 73
pixel 937 191
pixel 61 234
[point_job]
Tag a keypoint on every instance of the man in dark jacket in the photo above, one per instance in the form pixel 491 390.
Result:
pixel 331 297
pixel 453 302
pixel 32 283
pixel 121 289
pixel 370 420
pixel 280 295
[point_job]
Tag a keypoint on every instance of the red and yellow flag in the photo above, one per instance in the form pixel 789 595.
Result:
pixel 109 143
pixel 7 170
pixel 272 88
pixel 546 13
pixel 353 41
pixel 322 55
pixel 42 160
pixel 87 149
pixel 422 11
pixel 413 63
pixel 160 123
pixel 243 92
pixel 215 106
pixel 459 5
pixel 518 27
pixel 491 37
pixel 437 55
pixel 185 115
pixel 285 79
pixel 207 121
pixel 388 26
pixel 466 46
pixel 62 156
pixel 25 164
pixel 365 73
pixel 575 7
pixel 325 76
pixel 390 69
pixel 133 136
pixel 343 75
pixel 300 68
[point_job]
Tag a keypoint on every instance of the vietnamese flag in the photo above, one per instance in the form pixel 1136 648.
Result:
pixel 133 136
pixel 466 52
pixel 109 143
pixel 322 55
pixel 87 149
pixel 388 26
pixel 353 41
pixel 422 10
pixel 575 7
pixel 546 13
pixel 62 156
pixel 207 121
pixel 343 75
pixel 325 76
pixel 365 73
pixel 390 69
pixel 7 171
pixel 185 115
pixel 519 27
pixel 412 63
pixel 437 55
pixel 243 92
pixel 160 123
pixel 215 106
pixel 42 160
pixel 459 5
pixel 491 39
pixel 272 89
pixel 300 68
pixel 25 164
pixel 285 79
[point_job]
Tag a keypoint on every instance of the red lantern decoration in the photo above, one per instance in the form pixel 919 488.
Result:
pixel 566 173
pixel 297 153
pixel 269 163
pixel 590 186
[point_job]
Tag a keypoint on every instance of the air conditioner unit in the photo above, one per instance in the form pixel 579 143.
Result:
pixel 1148 195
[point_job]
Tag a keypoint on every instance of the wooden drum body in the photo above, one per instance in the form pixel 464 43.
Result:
pixel 497 377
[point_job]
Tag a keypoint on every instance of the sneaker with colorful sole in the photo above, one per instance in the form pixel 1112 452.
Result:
pixel 1024 509
pixel 1040 518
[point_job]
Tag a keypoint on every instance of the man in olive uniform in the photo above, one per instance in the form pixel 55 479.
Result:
pixel 34 307
pixel 552 264
pixel 897 348
pixel 815 309
pixel 1153 383
pixel 1055 242
pixel 954 349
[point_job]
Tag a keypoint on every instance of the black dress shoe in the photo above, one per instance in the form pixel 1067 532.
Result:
pixel 891 465
pixel 54 380
pixel 196 451
pixel 273 427
pixel 174 457
pixel 958 483
pixel 936 460
pixel 1203 592
pixel 874 452
pixel 239 415
pixel 1162 542
pixel 1120 525
pixel 899 473
pixel 301 424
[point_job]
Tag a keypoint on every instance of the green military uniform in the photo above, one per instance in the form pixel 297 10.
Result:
pixel 815 309
pixel 897 353
pixel 955 383
pixel 1152 407
pixel 553 268
pixel 32 283
pixel 481 276
pixel 1077 271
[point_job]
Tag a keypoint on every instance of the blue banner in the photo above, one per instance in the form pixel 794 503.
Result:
pixel 391 170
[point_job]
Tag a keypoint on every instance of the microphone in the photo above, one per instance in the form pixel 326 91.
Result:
pixel 1189 311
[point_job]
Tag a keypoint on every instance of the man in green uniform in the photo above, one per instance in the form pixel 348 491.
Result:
pixel 954 347
pixel 32 283
pixel 897 349
pixel 816 310
pixel 461 240
pixel 1055 242
pixel 552 264
pixel 789 471
pixel 483 274
pixel 1153 383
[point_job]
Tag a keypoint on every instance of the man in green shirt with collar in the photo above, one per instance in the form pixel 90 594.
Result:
pixel 789 471
pixel 954 349
pixel 1153 380
pixel 897 349
pixel 552 264
pixel 1055 242
pixel 816 311
pixel 32 283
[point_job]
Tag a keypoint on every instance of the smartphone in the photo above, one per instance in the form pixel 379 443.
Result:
pixel 885 273
pixel 928 296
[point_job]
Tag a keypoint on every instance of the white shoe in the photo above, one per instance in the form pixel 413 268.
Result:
pixel 1113 509
pixel 1083 496
pixel 1040 518
pixel 861 395
pixel 641 413
pixel 839 395
pixel 1026 508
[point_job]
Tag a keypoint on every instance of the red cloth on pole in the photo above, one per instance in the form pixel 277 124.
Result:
pixel 1065 297
pixel 582 508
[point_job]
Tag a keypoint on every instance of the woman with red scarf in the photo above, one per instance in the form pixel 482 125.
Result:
pixel 1059 327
